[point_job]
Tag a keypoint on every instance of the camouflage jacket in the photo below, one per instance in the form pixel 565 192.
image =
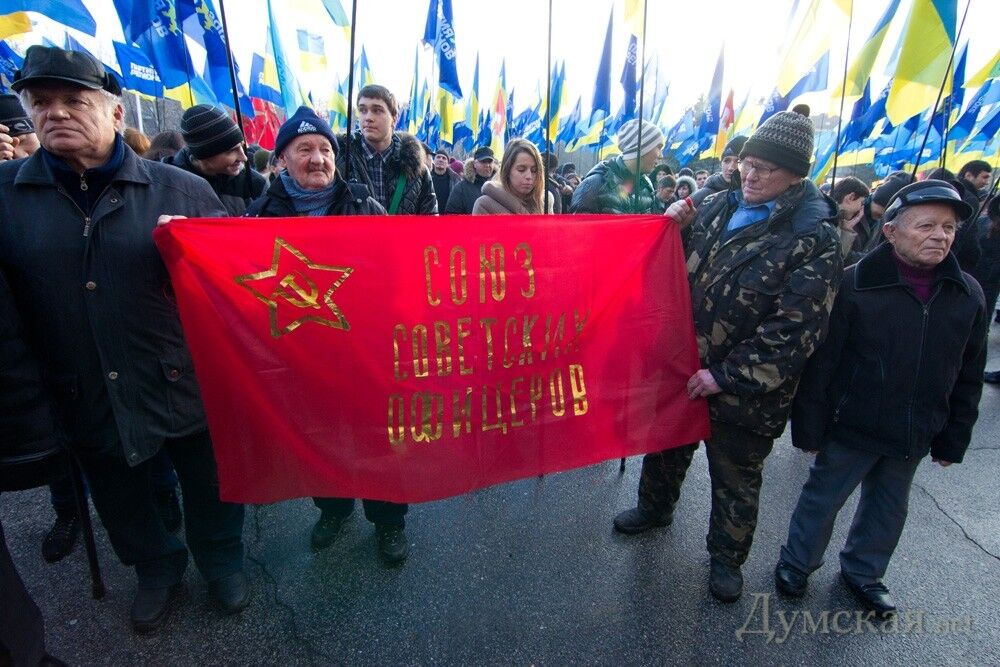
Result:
pixel 762 301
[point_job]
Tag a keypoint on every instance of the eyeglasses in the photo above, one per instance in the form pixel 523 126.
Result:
pixel 746 166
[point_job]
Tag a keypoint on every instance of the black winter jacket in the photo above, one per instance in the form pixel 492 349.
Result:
pixel 96 302
pixel 406 158
pixel 235 192
pixel 26 420
pixel 608 188
pixel 277 203
pixel 895 376
pixel 464 195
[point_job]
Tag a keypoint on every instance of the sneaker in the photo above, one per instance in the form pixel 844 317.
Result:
pixel 326 530
pixel 169 509
pixel 61 537
pixel 392 544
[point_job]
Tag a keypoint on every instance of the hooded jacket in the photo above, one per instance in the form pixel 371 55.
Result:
pixel 235 192
pixel 896 376
pixel 608 188
pixel 761 301
pixel 407 159
pixel 464 194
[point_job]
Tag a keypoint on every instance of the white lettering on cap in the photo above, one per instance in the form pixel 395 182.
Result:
pixel 306 126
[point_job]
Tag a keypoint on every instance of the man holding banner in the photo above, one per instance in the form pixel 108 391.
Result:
pixel 763 264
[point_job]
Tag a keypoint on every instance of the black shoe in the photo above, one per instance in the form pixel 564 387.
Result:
pixel 638 520
pixel 790 581
pixel 150 607
pixel 725 582
pixel 874 596
pixel 61 537
pixel 392 544
pixel 230 593
pixel 51 661
pixel 169 509
pixel 992 377
pixel 326 530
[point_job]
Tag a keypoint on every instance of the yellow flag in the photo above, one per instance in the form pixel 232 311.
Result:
pixel 14 24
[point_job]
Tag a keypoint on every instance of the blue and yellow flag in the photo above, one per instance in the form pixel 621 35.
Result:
pixel 861 68
pixel 70 13
pixel 264 82
pixel 291 91
pixel 926 46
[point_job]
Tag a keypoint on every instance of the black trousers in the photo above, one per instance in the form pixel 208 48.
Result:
pixel 378 512
pixel 123 497
pixel 22 631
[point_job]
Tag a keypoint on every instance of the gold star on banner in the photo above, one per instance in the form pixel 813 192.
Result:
pixel 292 280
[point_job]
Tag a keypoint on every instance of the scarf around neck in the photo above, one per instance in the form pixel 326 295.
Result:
pixel 309 202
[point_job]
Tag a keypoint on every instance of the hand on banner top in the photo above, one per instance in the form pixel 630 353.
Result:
pixel 7 144
pixel 682 212
pixel 164 219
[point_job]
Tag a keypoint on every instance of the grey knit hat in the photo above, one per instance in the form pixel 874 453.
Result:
pixel 209 130
pixel 786 139
pixel 628 138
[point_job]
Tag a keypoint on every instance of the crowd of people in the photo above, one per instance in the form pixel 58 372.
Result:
pixel 875 365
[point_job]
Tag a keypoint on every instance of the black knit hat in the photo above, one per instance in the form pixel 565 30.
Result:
pixel 734 147
pixel 303 121
pixel 209 130
pixel 786 139
pixel 883 193
pixel 13 116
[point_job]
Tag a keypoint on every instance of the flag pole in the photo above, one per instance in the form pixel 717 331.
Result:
pixel 843 93
pixel 548 116
pixel 944 81
pixel 232 68
pixel 350 93
pixel 642 90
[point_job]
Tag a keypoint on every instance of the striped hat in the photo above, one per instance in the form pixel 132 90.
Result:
pixel 209 130
pixel 786 139
pixel 628 139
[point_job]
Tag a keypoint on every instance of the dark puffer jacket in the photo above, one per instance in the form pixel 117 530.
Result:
pixel 277 203
pixel 761 301
pixel 608 188
pixel 235 192
pixel 895 376
pixel 406 158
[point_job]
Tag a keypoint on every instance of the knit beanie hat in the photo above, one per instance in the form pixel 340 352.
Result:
pixel 12 115
pixel 734 147
pixel 883 193
pixel 208 131
pixel 303 121
pixel 786 139
pixel 628 138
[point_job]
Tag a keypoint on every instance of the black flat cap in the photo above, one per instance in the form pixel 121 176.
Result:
pixel 50 63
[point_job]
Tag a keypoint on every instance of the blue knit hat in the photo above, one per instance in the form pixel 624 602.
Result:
pixel 303 121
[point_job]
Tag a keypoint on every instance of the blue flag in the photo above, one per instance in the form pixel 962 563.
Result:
pixel 439 32
pixel 709 126
pixel 210 35
pixel 138 73
pixel 10 62
pixel 70 13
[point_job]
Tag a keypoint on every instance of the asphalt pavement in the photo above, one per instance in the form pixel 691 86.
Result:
pixel 531 573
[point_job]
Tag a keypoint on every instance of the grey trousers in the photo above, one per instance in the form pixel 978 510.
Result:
pixel 878 522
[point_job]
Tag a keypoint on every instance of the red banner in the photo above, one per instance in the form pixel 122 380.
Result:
pixel 415 358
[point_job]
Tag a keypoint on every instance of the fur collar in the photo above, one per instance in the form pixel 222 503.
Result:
pixel 469 170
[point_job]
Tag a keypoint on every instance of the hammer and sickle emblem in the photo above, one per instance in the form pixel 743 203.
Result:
pixel 308 297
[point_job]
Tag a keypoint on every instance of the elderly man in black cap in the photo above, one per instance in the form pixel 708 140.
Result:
pixel 899 376
pixel 481 167
pixel 763 263
pixel 76 223
pixel 214 151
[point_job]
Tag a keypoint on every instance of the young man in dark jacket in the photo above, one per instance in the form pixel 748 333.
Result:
pixel 214 151
pixel 390 163
pixel 899 376
pixel 76 245
pixel 763 264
